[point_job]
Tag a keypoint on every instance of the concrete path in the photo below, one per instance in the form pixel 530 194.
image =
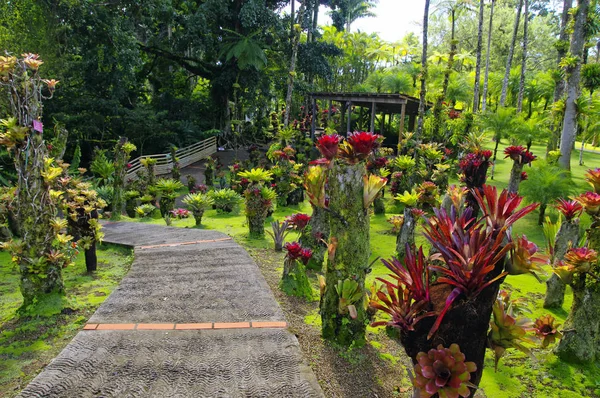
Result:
pixel 193 318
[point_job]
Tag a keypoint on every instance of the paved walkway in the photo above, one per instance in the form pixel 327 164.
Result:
pixel 193 318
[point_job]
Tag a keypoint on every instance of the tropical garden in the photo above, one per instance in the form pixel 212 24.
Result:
pixel 457 259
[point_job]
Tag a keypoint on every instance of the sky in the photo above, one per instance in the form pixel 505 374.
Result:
pixel 394 19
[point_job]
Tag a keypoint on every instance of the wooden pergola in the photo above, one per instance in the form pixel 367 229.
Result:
pixel 386 104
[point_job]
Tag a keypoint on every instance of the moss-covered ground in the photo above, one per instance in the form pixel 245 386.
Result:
pixel 29 339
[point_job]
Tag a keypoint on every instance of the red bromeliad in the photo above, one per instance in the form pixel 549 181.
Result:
pixel 414 273
pixel 470 253
pixel 474 168
pixel 569 208
pixel 328 145
pixel 546 329
pixel 501 211
pixel 519 154
pixel 294 250
pixel 299 221
pixel 358 146
pixel 398 303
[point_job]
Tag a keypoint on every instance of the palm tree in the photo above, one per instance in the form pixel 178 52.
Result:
pixel 423 91
pixel 524 59
pixel 573 66
pixel 499 123
pixel 478 56
pixel 487 59
pixel 376 81
pixel 345 12
pixel 292 70
pixel 397 83
pixel 511 52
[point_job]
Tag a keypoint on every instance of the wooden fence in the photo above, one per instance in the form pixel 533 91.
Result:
pixel 186 156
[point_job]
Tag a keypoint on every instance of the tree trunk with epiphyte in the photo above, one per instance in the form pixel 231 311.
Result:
pixel 296 33
pixel 567 236
pixel 569 130
pixel 423 91
pixel 349 251
pixel 315 237
pixel 515 176
pixel 407 233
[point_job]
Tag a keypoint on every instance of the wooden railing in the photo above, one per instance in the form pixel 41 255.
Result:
pixel 186 156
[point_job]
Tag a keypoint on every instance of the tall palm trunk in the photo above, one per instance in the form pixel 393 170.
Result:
pixel 437 109
pixel 569 130
pixel 511 53
pixel 478 55
pixel 559 89
pixel 523 61
pixel 292 71
pixel 423 91
pixel 487 59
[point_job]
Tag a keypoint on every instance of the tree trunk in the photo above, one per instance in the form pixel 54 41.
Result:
pixel 523 61
pixel 511 53
pixel 349 260
pixel 567 236
pixel 515 177
pixel 494 160
pixel 542 214
pixel 407 233
pixel 294 281
pixel 198 217
pixel 292 70
pixel 559 89
pixel 423 92
pixel 487 62
pixel 91 260
pixel 437 109
pixel 478 56
pixel 581 151
pixel 567 138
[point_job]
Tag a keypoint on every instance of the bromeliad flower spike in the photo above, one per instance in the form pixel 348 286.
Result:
pixel 328 145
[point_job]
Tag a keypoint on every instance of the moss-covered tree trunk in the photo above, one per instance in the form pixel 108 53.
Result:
pixel 515 177
pixel 35 210
pixel 379 205
pixel 407 233
pixel 121 157
pixel 315 236
pixel 198 216
pixel 294 281
pixel 91 260
pixel 581 334
pixel 349 223
pixel 567 235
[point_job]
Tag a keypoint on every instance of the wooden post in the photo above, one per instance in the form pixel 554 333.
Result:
pixel 349 119
pixel 382 127
pixel 313 119
pixel 411 122
pixel 373 112
pixel 343 116
pixel 401 129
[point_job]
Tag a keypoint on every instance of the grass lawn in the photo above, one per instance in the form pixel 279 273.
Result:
pixel 28 342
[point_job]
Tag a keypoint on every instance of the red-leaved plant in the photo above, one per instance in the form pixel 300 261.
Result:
pixel 298 221
pixel 358 146
pixel 569 208
pixel 328 145
pixel 519 154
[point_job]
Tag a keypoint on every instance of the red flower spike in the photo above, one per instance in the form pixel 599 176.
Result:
pixel 359 145
pixel 569 208
pixel 524 176
pixel 305 256
pixel 399 304
pixel 474 167
pixel 328 145
pixel 519 154
pixel 443 371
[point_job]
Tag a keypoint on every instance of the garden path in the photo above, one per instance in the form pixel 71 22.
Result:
pixel 193 318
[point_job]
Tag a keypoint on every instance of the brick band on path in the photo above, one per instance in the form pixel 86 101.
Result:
pixel 193 318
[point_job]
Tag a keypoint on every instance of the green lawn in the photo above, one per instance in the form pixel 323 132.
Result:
pixel 28 342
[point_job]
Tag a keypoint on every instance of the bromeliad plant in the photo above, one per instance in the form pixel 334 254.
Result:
pixel 198 203
pixel 294 281
pixel 520 157
pixel 469 264
pixel 280 231
pixel 259 200
pixel 225 200
pixel 168 193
